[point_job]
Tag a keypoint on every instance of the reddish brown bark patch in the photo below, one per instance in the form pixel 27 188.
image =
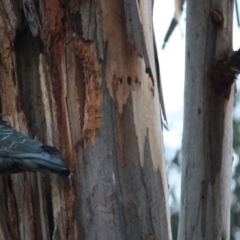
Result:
pixel 52 20
pixel 217 18
pixel 93 90
pixel 223 73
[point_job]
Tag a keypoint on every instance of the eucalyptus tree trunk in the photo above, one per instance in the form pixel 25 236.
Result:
pixel 211 68
pixel 83 76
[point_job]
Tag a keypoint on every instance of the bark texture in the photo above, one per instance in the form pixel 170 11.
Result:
pixel 207 137
pixel 82 76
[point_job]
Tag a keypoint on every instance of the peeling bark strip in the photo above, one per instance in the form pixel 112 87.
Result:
pixel 160 91
pixel 136 38
pixel 135 32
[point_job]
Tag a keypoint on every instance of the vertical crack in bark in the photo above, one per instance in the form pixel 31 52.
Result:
pixel 27 50
pixel 31 16
pixel 12 214
pixel 81 88
pixel 49 206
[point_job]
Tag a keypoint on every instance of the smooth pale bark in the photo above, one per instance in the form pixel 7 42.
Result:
pixel 81 75
pixel 207 134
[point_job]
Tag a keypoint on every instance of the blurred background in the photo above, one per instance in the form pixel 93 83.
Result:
pixel 170 38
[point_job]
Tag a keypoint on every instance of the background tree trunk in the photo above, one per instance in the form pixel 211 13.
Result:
pixel 207 135
pixel 73 76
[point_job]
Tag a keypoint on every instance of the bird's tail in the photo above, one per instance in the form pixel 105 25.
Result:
pixel 53 164
pixel 53 161
pixel 44 162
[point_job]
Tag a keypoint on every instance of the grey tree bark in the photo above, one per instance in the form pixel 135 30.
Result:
pixel 211 68
pixel 82 76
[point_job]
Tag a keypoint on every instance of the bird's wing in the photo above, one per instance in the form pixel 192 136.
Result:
pixel 19 153
pixel 13 142
pixel 10 166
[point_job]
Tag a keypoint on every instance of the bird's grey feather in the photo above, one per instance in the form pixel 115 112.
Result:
pixel 20 153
